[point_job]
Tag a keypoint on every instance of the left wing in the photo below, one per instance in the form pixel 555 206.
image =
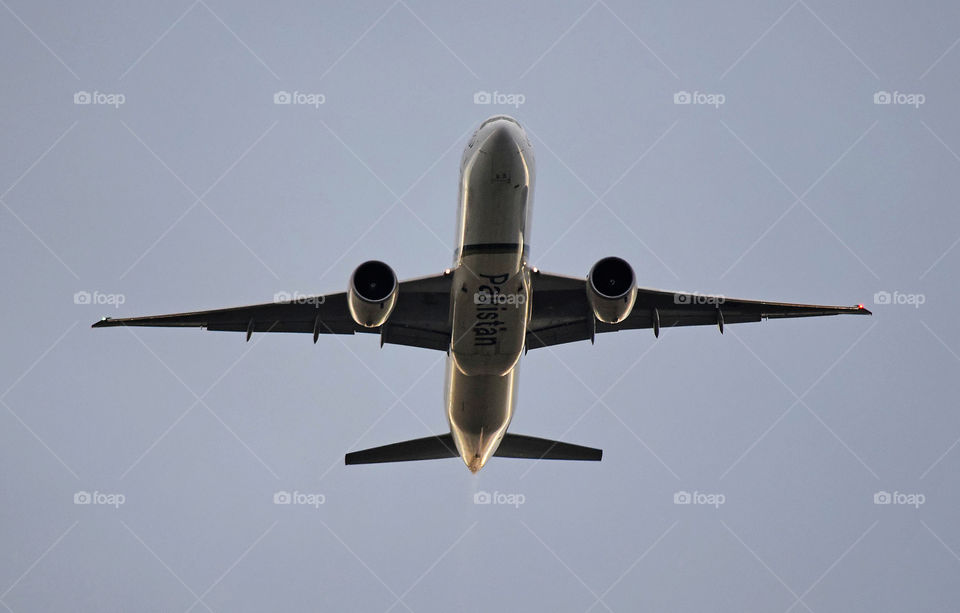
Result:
pixel 421 317
pixel 562 314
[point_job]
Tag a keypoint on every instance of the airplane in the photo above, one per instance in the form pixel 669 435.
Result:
pixel 487 310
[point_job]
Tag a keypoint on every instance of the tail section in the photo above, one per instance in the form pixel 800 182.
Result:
pixel 442 446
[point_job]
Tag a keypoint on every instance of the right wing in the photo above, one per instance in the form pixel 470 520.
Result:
pixel 562 314
pixel 421 317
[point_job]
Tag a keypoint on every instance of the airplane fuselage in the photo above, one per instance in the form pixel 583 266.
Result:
pixel 490 298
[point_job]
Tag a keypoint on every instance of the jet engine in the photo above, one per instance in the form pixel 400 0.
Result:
pixel 611 290
pixel 372 293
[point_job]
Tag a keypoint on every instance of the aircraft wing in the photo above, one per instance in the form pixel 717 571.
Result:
pixel 421 317
pixel 562 314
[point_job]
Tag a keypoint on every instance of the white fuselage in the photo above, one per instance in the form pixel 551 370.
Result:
pixel 490 301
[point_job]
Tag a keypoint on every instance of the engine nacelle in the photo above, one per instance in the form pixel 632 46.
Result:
pixel 372 293
pixel 611 290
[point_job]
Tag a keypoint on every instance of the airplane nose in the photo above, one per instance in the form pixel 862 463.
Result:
pixel 504 136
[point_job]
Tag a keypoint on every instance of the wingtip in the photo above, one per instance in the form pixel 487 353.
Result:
pixel 103 322
pixel 862 310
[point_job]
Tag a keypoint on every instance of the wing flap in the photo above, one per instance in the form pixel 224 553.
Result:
pixel 412 336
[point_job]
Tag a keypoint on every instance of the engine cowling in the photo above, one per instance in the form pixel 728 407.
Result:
pixel 611 290
pixel 372 293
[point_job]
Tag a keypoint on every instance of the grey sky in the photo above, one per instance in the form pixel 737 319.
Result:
pixel 199 192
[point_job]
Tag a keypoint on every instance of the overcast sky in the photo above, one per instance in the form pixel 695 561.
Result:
pixel 145 168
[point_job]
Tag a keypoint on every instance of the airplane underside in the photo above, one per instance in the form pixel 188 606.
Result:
pixel 487 310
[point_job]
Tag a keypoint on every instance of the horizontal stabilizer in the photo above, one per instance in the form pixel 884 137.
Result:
pixel 429 448
pixel 442 446
pixel 520 446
